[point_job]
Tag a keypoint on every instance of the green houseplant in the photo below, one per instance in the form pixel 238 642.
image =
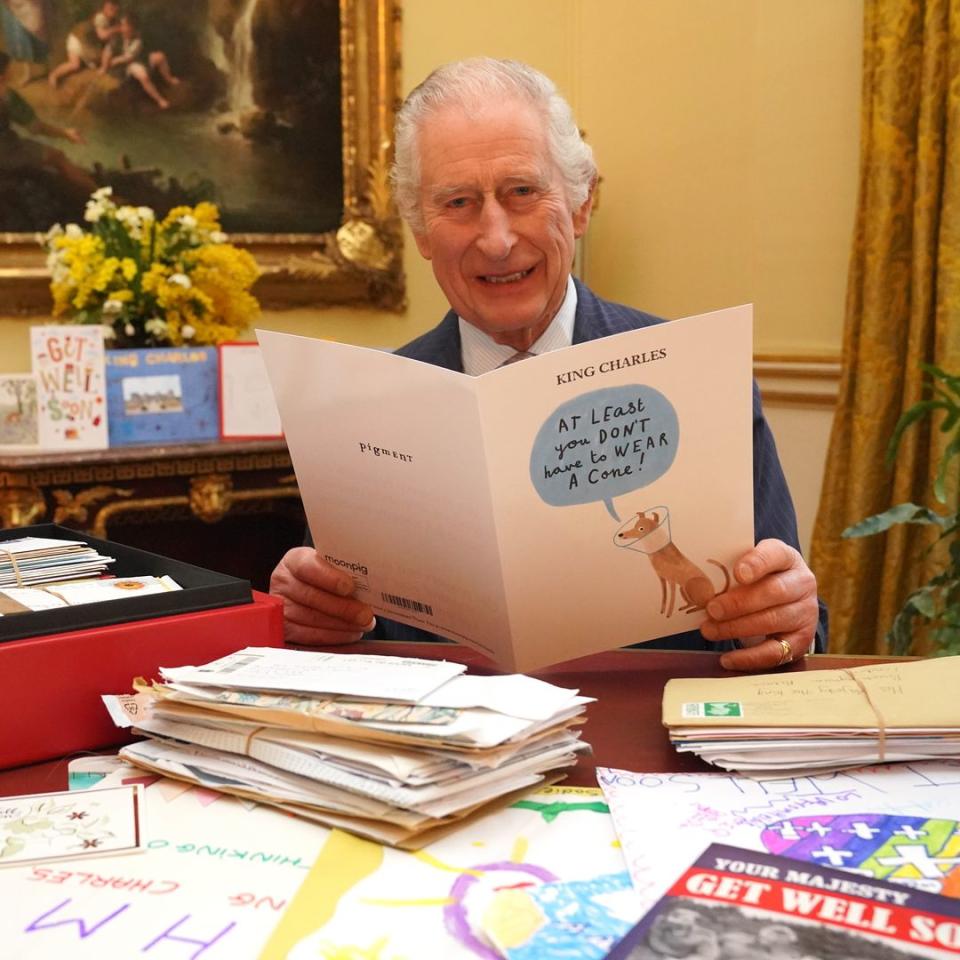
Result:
pixel 937 602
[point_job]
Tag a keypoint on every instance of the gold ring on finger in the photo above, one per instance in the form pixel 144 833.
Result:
pixel 786 652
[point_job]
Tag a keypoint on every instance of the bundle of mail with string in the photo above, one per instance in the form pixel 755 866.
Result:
pixel 389 748
pixel 805 721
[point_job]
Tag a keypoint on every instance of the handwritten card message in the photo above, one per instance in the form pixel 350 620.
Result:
pixel 68 362
pixel 225 879
pixel 585 499
pixel 896 822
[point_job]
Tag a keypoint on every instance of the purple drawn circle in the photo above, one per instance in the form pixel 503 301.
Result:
pixel 455 914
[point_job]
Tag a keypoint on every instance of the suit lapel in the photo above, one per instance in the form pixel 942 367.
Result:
pixel 589 321
pixel 447 343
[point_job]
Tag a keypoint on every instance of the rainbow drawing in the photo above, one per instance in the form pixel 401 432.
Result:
pixel 916 851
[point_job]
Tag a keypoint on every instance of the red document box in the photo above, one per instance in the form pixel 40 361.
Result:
pixel 50 686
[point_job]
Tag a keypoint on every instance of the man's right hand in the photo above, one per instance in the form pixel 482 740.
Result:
pixel 318 609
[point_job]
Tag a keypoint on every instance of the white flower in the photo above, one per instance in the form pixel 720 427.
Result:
pixel 146 214
pixel 156 327
pixel 59 271
pixel 188 221
pixel 130 218
pixel 180 280
pixel 112 306
pixel 218 236
pixel 188 331
pixel 74 230
pixel 108 332
pixel 99 204
pixel 129 330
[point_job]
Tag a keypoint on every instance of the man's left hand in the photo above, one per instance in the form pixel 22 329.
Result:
pixel 772 609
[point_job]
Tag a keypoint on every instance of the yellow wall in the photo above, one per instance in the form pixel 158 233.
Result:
pixel 726 132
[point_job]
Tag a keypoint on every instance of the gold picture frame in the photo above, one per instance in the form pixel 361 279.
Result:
pixel 359 263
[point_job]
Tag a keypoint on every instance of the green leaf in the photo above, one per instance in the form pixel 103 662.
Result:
pixel 940 484
pixel 950 421
pixel 900 636
pixel 910 417
pixel 924 601
pixel 902 513
pixel 952 382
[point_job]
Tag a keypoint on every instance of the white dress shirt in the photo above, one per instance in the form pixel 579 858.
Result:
pixel 481 353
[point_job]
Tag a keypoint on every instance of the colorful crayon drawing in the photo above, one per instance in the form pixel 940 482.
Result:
pixel 583 918
pixel 895 822
pixel 916 851
pixel 436 902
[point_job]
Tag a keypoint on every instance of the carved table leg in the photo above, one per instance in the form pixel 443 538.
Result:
pixel 21 506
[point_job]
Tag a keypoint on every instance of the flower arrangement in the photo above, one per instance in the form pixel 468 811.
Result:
pixel 150 282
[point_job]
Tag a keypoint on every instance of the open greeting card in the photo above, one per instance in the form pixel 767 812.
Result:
pixel 585 499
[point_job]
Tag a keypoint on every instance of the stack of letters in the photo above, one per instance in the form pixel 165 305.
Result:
pixel 390 748
pixel 818 719
pixel 37 573
pixel 31 560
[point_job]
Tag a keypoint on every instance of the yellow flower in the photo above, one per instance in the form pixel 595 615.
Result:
pixel 181 275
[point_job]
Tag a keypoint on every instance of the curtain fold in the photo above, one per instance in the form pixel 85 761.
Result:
pixel 903 307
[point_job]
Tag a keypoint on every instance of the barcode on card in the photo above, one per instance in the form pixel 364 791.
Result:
pixel 406 603
pixel 237 663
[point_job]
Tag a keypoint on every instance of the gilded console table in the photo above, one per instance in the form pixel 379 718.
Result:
pixel 232 506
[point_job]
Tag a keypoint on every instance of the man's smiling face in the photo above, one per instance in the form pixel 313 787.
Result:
pixel 497 225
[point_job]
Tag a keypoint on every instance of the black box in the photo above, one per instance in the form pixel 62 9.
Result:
pixel 202 589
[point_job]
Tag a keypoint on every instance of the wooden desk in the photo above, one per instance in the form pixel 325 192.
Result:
pixel 623 726
pixel 164 498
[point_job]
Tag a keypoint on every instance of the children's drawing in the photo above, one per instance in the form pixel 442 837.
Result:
pixel 18 409
pixel 212 880
pixel 895 822
pixel 440 901
pixel 919 852
pixel 649 532
pixel 581 919
pixel 68 362
pixel 231 879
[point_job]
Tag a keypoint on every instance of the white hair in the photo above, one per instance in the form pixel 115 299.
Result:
pixel 471 83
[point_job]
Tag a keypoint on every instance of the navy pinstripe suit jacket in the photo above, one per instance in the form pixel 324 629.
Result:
pixel 595 318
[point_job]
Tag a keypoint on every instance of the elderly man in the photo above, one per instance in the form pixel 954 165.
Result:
pixel 496 184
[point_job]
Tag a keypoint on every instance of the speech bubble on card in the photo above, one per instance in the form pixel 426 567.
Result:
pixel 603 444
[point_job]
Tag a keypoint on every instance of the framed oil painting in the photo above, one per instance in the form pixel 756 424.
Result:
pixel 279 111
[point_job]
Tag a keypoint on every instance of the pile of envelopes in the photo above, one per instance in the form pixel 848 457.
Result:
pixel 390 748
pixel 818 720
pixel 30 560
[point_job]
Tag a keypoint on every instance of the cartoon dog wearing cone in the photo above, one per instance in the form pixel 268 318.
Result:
pixel 670 565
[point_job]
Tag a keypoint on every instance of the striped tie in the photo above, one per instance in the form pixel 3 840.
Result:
pixel 522 355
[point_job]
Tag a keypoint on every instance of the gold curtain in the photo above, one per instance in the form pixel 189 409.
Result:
pixel 903 307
